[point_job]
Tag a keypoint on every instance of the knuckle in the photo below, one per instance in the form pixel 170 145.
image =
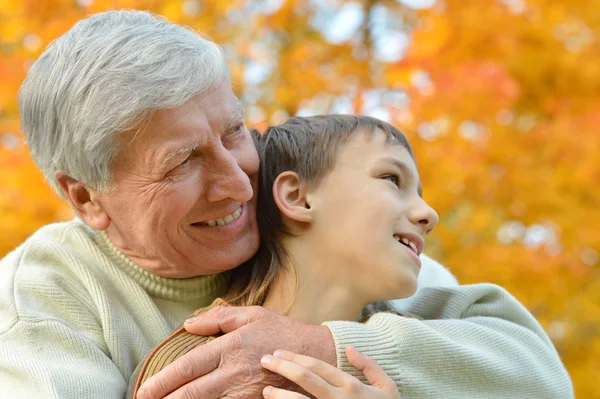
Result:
pixel 188 393
pixel 353 386
pixel 184 368
pixel 214 312
pixel 157 386
pixel 236 341
pixel 311 363
pixel 303 376
pixel 258 311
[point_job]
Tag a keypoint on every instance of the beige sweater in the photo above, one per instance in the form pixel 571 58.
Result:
pixel 77 316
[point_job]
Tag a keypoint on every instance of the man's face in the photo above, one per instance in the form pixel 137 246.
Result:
pixel 369 200
pixel 184 201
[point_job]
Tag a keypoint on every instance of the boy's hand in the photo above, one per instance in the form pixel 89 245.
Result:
pixel 324 381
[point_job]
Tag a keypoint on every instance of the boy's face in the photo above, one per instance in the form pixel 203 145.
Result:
pixel 363 209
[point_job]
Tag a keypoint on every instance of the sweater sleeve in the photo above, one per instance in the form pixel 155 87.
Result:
pixel 47 359
pixel 51 343
pixel 474 341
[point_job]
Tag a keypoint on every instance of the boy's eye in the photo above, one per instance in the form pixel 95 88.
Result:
pixel 392 178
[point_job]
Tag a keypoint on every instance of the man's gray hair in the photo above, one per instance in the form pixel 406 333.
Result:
pixel 103 77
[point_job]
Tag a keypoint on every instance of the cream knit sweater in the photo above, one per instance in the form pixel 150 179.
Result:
pixel 77 316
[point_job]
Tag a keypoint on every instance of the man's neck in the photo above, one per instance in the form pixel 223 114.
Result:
pixel 309 289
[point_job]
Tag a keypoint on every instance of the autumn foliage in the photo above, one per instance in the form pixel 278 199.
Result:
pixel 500 99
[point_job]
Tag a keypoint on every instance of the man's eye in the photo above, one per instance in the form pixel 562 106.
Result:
pixel 186 161
pixel 238 128
pixel 234 134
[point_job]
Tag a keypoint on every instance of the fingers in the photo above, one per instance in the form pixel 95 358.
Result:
pixel 331 375
pixel 298 374
pixel 276 393
pixel 194 364
pixel 376 376
pixel 223 319
pixel 209 386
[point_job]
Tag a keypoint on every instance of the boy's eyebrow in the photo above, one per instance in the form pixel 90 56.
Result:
pixel 405 170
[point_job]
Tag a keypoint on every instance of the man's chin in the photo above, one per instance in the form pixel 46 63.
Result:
pixel 228 258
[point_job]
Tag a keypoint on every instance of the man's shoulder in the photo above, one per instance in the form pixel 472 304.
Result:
pixel 432 274
pixel 51 237
pixel 51 246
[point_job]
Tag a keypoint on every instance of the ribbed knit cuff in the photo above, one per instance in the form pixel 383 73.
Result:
pixel 378 339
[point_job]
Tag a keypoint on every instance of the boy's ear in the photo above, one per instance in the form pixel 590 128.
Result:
pixel 83 200
pixel 290 197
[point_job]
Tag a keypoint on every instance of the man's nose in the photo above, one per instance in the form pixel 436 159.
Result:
pixel 423 215
pixel 227 180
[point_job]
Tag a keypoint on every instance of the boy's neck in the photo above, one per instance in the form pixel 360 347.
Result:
pixel 311 290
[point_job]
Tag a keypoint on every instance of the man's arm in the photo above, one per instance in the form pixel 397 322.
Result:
pixel 46 359
pixel 476 341
pixel 51 343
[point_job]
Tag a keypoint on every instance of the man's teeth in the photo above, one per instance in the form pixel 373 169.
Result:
pixel 226 220
pixel 409 243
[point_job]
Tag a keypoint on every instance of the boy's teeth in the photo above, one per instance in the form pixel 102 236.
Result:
pixel 408 242
pixel 414 247
pixel 226 220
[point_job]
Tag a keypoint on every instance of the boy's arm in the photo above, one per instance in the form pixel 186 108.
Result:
pixel 476 341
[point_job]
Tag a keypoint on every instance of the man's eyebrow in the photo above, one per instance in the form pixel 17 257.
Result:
pixel 173 154
pixel 236 115
pixel 405 170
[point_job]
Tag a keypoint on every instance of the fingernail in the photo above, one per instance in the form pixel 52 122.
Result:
pixel 192 319
pixel 278 354
pixel 141 394
pixel 266 359
pixel 266 391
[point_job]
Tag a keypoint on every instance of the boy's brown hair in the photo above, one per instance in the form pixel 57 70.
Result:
pixel 307 146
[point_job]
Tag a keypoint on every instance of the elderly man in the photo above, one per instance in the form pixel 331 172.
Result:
pixel 133 121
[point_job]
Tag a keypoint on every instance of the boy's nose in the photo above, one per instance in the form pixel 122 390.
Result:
pixel 424 215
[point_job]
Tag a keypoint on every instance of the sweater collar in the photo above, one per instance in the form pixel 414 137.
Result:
pixel 201 288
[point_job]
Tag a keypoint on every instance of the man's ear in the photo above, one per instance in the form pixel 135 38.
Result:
pixel 83 200
pixel 290 197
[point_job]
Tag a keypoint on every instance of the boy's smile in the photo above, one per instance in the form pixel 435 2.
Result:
pixel 370 219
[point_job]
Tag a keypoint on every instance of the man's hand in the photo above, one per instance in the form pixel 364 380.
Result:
pixel 229 366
